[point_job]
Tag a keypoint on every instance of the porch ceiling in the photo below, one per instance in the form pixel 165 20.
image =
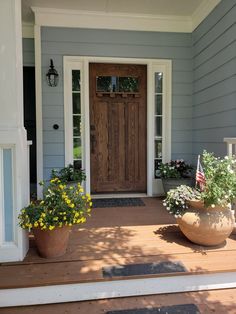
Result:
pixel 185 9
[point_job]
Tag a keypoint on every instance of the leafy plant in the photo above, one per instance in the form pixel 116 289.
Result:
pixel 68 174
pixel 175 169
pixel 219 188
pixel 220 174
pixel 176 201
pixel 62 205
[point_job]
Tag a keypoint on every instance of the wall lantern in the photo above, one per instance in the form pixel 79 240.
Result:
pixel 52 75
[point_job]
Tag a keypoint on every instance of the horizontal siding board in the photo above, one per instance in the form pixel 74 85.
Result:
pixel 182 136
pixel 182 89
pixel 223 25
pixel 213 18
pixel 53 98
pixel 54 161
pixel 28 52
pixel 91 49
pixel 181 124
pixel 226 39
pixel 181 100
pixel 53 112
pixel 54 136
pixel 224 56
pixel 53 149
pixel 113 37
pixel 218 90
pixel 184 148
pixel 219 149
pixel 182 77
pixel 220 74
pixel 214 135
pixel 223 119
pixel 225 103
pixel 182 112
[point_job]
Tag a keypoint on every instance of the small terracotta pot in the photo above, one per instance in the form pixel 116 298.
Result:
pixel 206 226
pixel 52 243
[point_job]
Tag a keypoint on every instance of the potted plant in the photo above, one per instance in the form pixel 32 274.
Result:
pixel 175 173
pixel 51 219
pixel 204 215
pixel 69 175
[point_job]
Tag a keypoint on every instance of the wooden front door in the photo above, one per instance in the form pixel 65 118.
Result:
pixel 118 130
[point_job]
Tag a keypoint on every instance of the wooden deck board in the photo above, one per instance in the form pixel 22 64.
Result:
pixel 92 248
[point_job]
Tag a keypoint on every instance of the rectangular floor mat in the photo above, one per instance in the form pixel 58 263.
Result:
pixel 143 269
pixel 117 202
pixel 174 309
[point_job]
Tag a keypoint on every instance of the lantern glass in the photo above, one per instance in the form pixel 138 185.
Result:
pixel 52 75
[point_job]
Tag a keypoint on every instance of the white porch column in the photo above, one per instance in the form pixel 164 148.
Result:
pixel 14 183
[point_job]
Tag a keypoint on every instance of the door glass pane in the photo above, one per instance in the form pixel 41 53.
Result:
pixel 158 82
pixel 158 105
pixel 128 84
pixel 76 103
pixel 76 125
pixel 76 80
pixel 106 83
pixel 156 168
pixel 77 164
pixel 158 126
pixel 77 148
pixel 158 149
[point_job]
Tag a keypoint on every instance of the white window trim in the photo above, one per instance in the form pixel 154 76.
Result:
pixel 154 186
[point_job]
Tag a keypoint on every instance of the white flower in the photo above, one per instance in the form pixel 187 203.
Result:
pixel 231 171
pixel 164 204
pixel 226 157
pixel 168 208
pixel 213 205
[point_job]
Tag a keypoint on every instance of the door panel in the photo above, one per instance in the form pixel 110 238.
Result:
pixel 118 128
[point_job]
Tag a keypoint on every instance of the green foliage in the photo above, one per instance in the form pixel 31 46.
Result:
pixel 175 169
pixel 176 201
pixel 62 205
pixel 220 173
pixel 68 174
pixel 219 189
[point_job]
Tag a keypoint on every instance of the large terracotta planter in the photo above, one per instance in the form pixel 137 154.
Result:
pixel 52 243
pixel 207 226
pixel 169 184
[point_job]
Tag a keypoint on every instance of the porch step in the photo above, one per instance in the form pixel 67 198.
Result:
pixel 80 274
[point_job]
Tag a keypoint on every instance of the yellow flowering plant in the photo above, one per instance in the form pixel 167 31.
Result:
pixel 62 205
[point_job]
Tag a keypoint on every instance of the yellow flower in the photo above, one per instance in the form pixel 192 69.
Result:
pixel 83 197
pixel 36 224
pixel 52 180
pixel 90 204
pixel 72 205
pixel 51 227
pixel 64 218
pixel 42 202
pixel 88 210
pixel 61 186
pixel 55 218
pixel 81 190
pixel 43 215
pixel 68 201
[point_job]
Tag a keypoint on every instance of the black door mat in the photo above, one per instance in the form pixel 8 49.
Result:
pixel 117 202
pixel 143 269
pixel 174 309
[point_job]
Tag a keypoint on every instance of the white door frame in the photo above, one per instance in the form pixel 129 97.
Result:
pixel 154 186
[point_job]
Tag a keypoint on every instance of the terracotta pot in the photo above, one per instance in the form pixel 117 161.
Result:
pixel 52 243
pixel 206 226
pixel 169 184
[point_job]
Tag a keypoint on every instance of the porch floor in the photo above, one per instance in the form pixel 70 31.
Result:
pixel 116 236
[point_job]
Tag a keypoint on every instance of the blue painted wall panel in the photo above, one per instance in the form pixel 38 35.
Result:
pixel 8 194
pixel 59 42
pixel 28 51
pixel 214 82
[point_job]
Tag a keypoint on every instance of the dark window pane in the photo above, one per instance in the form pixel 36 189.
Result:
pixel 158 149
pixel 76 80
pixel 76 103
pixel 76 125
pixel 158 82
pixel 77 164
pixel 77 148
pixel 106 83
pixel 156 168
pixel 158 126
pixel 158 104
pixel 128 84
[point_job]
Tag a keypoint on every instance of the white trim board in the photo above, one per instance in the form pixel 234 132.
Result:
pixel 123 21
pixel 115 289
pixel 154 186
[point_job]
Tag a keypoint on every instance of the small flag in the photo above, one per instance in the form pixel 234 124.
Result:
pixel 200 176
